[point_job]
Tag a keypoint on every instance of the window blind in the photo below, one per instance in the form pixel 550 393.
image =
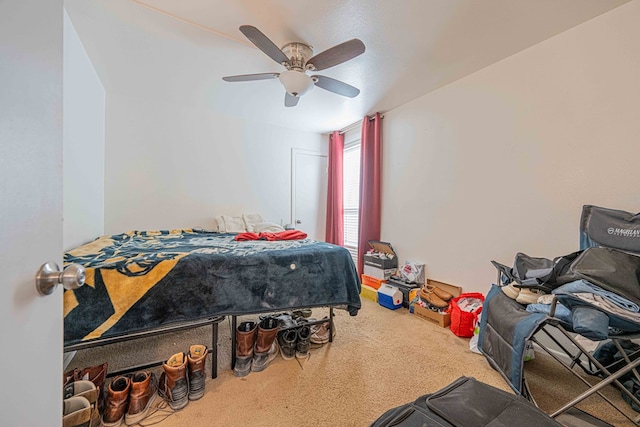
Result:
pixel 351 165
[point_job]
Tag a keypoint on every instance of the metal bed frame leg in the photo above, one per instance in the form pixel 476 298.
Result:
pixel 214 350
pixel 234 326
pixel 331 324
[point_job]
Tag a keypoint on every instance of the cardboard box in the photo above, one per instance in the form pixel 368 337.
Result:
pixel 383 263
pixel 378 273
pixel 369 293
pixel 441 319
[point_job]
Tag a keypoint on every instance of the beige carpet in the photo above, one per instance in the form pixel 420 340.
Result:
pixel 378 360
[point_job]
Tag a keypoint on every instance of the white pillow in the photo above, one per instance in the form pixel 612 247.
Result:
pixel 269 227
pixel 250 220
pixel 221 226
pixel 233 224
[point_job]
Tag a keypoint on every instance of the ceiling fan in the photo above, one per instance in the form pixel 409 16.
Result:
pixel 297 58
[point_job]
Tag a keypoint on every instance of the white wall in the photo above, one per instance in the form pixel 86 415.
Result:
pixel 83 143
pixel 176 166
pixel 503 160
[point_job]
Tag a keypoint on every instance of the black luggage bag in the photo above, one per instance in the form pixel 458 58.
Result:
pixel 466 403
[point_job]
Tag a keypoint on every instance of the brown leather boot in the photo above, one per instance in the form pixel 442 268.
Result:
pixel 245 339
pixel 266 347
pixel 141 397
pixel 96 374
pixel 76 412
pixel 174 384
pixel 117 400
pixel 89 391
pixel 196 358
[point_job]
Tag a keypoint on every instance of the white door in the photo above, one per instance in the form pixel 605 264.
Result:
pixel 309 192
pixel 30 210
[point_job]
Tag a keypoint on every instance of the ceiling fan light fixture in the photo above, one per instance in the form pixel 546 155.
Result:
pixel 298 58
pixel 296 83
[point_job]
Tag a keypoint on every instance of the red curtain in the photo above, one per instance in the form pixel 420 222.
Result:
pixel 370 176
pixel 335 203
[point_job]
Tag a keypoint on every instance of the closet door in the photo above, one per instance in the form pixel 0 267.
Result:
pixel 309 192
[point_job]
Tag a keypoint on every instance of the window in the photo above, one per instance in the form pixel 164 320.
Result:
pixel 351 165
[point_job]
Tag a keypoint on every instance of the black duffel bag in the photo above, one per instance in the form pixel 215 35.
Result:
pixel 466 402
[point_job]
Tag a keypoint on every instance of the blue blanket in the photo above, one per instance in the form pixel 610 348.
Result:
pixel 145 279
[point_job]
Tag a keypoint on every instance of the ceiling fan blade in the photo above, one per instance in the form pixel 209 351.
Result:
pixel 250 77
pixel 336 55
pixel 336 86
pixel 290 100
pixel 264 43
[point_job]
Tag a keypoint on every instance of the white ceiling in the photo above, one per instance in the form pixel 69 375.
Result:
pixel 178 51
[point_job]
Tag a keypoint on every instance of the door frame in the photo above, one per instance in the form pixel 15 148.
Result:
pixel 294 153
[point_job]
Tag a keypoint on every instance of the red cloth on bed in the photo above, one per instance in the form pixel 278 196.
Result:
pixel 280 235
pixel 246 236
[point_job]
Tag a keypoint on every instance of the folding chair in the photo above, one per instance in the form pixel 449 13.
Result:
pixel 610 245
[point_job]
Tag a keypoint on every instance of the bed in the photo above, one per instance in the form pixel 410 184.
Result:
pixel 148 281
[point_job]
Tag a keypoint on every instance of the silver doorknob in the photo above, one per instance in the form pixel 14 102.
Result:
pixel 298 221
pixel 49 277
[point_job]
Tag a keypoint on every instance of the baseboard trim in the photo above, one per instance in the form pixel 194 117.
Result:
pixel 67 358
